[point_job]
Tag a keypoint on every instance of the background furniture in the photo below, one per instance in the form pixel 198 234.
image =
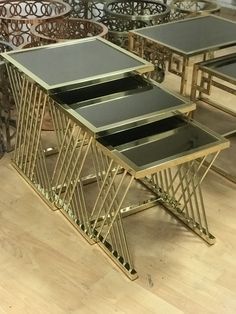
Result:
pixel 6 104
pixel 174 43
pixel 67 29
pixel 218 73
pixel 18 16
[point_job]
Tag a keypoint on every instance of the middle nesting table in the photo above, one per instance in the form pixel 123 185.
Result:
pixel 117 125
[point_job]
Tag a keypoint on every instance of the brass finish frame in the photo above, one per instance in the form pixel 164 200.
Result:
pixel 67 29
pixel 204 78
pixel 143 68
pixel 19 15
pixel 117 31
pixel 149 11
pixel 175 182
pixel 123 16
pixel 161 54
pixel 177 188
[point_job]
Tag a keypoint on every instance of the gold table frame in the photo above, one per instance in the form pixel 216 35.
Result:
pixel 204 78
pixel 161 54
pixel 175 183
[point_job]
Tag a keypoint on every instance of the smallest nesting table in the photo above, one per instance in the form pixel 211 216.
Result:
pixel 176 42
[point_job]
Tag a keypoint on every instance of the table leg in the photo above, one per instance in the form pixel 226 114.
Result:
pixel 184 77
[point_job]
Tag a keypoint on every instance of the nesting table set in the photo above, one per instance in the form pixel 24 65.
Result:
pixel 113 127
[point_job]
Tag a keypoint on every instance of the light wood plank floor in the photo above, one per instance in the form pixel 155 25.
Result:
pixel 47 267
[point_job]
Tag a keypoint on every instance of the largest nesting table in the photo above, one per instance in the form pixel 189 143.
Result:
pixel 111 119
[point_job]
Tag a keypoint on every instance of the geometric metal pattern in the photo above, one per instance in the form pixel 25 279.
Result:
pixel 58 30
pixel 117 31
pixel 151 12
pixel 67 178
pixel 211 73
pixel 150 41
pixel 122 16
pixel 81 162
pixel 86 9
pixel 178 189
pixel 218 73
pixel 19 15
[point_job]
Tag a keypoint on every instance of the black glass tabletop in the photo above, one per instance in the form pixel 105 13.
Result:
pixel 148 102
pixel 192 36
pixel 98 92
pixel 78 61
pixel 223 65
pixel 121 110
pixel 180 141
pixel 151 145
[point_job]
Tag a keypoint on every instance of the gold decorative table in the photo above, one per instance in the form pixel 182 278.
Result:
pixel 113 129
pixel 176 42
pixel 217 73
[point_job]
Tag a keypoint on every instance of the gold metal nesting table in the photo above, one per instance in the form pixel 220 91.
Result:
pixel 175 43
pixel 221 74
pixel 113 128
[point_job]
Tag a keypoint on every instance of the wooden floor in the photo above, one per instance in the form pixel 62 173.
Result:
pixel 47 267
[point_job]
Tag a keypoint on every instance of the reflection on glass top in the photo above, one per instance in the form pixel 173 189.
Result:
pixel 192 35
pixel 178 137
pixel 225 66
pixel 124 85
pixel 131 106
pixel 58 65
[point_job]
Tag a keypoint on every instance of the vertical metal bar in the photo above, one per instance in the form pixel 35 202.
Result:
pixel 184 76
pixel 166 181
pixel 203 212
pixel 13 85
pixel 171 182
